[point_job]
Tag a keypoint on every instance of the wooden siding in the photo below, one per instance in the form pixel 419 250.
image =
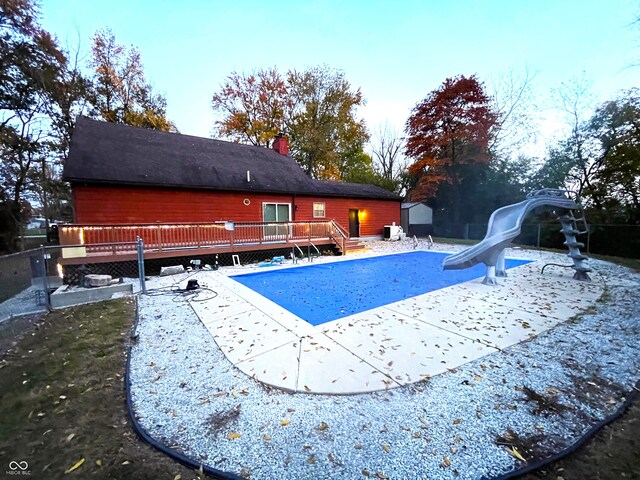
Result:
pixel 375 214
pixel 94 204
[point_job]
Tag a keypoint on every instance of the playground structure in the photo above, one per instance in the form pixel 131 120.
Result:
pixel 505 225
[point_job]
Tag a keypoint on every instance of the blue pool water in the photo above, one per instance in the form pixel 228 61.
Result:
pixel 324 292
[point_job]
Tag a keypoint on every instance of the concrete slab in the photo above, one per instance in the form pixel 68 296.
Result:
pixel 393 345
pixel 248 334
pixel 495 325
pixel 328 367
pixel 277 367
pixel 406 349
pixel 64 297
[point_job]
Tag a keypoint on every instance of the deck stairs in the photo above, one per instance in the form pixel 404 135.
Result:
pixel 352 246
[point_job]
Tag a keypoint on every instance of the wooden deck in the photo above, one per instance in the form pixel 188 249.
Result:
pixel 117 243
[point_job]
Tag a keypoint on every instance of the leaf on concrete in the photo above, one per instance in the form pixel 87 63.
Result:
pixel 233 436
pixel 284 422
pixel 385 447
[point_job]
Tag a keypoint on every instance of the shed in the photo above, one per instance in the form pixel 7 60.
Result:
pixel 416 219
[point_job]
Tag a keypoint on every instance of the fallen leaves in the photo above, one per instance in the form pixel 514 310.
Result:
pixel 285 422
pixel 322 427
pixel 233 435
pixel 75 466
pixel 514 451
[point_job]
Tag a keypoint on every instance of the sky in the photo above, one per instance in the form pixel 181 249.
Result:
pixel 395 51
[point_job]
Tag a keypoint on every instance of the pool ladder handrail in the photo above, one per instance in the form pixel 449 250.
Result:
pixel 310 255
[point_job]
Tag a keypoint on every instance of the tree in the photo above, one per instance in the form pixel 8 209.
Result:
pixel 315 107
pixel 30 61
pixel 512 101
pixel 448 133
pixel 120 92
pixel 389 162
pixel 253 107
pixel 616 169
pixel 326 136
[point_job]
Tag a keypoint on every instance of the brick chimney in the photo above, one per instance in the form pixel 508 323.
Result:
pixel 281 144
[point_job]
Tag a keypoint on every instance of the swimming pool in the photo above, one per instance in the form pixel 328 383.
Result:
pixel 324 292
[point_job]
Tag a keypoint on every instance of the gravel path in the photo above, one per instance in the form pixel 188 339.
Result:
pixel 24 303
pixel 540 395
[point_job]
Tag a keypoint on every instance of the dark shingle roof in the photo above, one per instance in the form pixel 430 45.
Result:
pixel 109 153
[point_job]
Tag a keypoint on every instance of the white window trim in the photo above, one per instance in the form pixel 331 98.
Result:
pixel 324 209
pixel 276 203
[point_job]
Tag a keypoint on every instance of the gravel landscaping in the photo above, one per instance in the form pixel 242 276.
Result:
pixel 484 419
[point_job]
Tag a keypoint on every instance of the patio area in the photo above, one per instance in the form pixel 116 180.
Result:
pixel 425 386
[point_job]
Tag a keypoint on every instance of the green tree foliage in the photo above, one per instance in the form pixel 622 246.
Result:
pixel 600 160
pixel 316 108
pixel 30 63
pixel 448 135
pixel 326 137
pixel 120 92
pixel 615 184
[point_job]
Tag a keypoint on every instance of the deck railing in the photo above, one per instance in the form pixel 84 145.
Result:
pixel 177 236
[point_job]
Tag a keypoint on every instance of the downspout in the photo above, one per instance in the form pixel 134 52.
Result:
pixel 293 207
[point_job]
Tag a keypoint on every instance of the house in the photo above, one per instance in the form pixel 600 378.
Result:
pixel 417 219
pixel 126 175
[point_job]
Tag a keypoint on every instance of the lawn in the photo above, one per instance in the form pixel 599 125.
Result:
pixel 63 402
pixel 63 406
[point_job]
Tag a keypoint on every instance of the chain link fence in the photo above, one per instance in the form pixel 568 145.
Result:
pixel 27 279
pixel 22 284
pixel 604 239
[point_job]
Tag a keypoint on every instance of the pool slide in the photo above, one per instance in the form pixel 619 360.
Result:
pixel 504 225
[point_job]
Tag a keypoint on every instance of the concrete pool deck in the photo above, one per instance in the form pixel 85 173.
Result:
pixel 393 345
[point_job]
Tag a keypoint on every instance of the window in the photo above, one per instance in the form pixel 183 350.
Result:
pixel 318 210
pixel 276 212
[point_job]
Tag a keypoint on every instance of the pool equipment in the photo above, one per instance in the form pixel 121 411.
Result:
pixel 393 232
pixel 279 260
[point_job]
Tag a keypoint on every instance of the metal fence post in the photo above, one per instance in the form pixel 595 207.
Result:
pixel 46 275
pixel 143 286
pixel 538 243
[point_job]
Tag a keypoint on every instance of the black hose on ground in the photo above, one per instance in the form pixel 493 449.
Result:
pixel 179 457
pixel 575 446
